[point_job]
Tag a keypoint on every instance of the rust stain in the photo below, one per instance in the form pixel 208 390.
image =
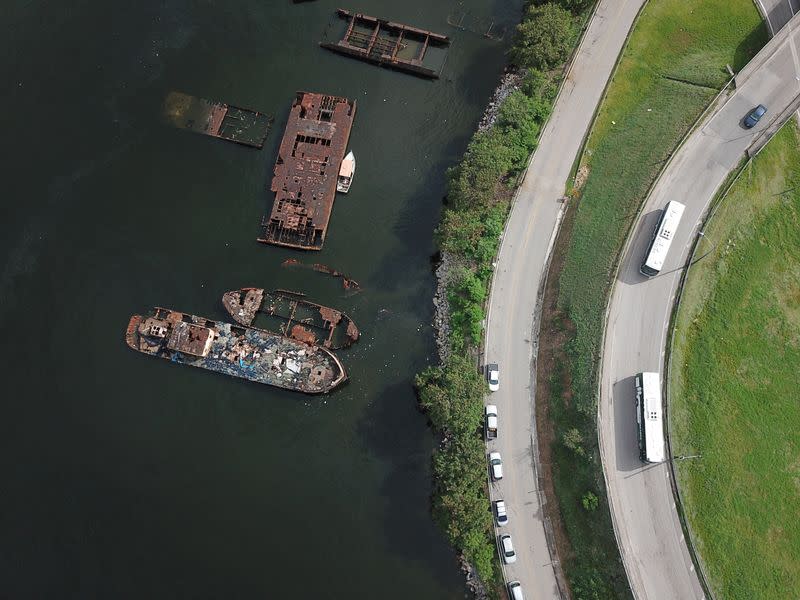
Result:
pixel 306 171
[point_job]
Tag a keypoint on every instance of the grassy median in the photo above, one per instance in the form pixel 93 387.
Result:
pixel 735 381
pixel 673 65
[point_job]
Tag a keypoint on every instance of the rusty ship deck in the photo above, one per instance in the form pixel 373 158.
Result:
pixel 298 318
pixel 388 44
pixel 217 119
pixel 245 352
pixel 304 181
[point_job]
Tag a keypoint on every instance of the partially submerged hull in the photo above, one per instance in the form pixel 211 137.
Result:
pixel 252 354
pixel 385 43
pixel 299 318
pixel 217 119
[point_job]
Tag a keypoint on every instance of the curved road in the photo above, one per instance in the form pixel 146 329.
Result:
pixel 520 266
pixel 645 518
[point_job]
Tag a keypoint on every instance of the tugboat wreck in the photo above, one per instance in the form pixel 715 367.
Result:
pixel 296 317
pixel 306 171
pixel 388 44
pixel 216 119
pixel 252 354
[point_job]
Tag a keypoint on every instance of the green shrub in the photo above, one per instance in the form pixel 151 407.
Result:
pixel 590 501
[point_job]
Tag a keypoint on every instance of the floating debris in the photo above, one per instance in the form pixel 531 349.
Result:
pixel 347 283
pixel 240 125
pixel 245 352
pixel 388 44
pixel 299 318
pixel 306 171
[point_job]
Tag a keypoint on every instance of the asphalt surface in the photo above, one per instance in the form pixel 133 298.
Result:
pixel 518 275
pixel 646 522
pixel 777 12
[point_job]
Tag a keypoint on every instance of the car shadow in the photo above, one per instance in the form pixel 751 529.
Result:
pixel 632 261
pixel 626 438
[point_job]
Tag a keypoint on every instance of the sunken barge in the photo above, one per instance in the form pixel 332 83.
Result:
pixel 306 171
pixel 388 44
pixel 217 119
pixel 246 352
pixel 295 316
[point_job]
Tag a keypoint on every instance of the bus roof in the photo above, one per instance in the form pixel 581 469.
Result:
pixel 653 427
pixel 663 238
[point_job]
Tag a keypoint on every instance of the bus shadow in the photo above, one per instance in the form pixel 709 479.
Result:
pixel 629 269
pixel 626 437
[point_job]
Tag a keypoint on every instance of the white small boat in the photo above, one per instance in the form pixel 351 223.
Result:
pixel 346 173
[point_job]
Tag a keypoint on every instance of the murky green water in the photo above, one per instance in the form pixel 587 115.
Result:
pixel 126 476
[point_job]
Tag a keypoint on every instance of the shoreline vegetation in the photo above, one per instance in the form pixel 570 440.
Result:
pixel 733 382
pixel 479 194
pixel 673 64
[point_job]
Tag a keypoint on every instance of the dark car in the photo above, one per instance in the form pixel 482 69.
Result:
pixel 754 116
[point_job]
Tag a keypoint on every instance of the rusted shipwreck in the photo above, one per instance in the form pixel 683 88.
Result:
pixel 389 44
pixel 245 352
pixel 216 119
pixel 306 171
pixel 295 316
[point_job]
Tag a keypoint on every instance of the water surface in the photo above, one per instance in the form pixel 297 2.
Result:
pixel 125 476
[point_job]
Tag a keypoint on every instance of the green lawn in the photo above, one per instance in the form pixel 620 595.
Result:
pixel 672 66
pixel 735 382
pixel 648 108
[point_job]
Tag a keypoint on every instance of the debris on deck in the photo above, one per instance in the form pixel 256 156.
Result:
pixel 245 352
pixel 347 283
pixel 388 44
pixel 306 171
pixel 216 119
pixel 299 318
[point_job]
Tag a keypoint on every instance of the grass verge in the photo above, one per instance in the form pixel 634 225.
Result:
pixel 734 381
pixel 672 66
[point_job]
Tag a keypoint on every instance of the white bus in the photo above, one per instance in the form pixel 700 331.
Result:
pixel 662 238
pixel 648 417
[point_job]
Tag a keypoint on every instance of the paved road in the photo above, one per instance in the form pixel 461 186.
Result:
pixel 653 549
pixel 777 12
pixel 521 262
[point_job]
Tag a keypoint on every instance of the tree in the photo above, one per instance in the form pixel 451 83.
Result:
pixel 544 38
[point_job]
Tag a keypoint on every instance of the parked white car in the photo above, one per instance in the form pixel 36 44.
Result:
pixel 496 466
pixel 515 590
pixel 509 556
pixel 493 377
pixel 500 514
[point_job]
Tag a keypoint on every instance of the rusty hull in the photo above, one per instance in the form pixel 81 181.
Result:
pixel 303 320
pixel 381 42
pixel 304 182
pixel 253 354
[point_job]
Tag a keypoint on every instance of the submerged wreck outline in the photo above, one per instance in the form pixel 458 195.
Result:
pixel 217 119
pixel 244 304
pixel 246 352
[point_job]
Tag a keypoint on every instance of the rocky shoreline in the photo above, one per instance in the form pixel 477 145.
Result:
pixel 444 269
pixel 441 307
pixel 509 82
